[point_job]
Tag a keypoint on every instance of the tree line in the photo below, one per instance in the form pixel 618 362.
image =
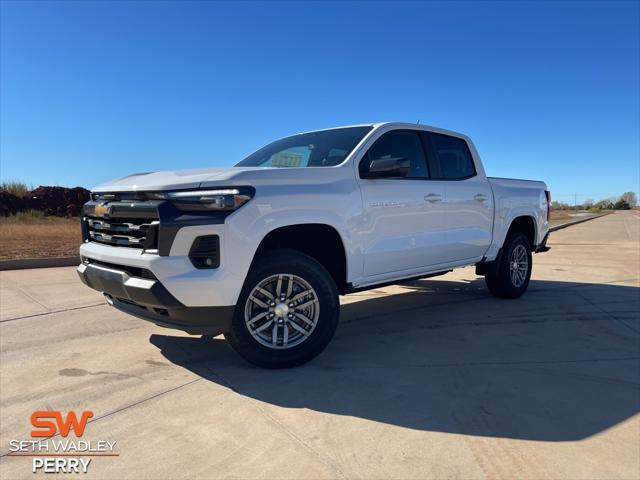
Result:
pixel 626 201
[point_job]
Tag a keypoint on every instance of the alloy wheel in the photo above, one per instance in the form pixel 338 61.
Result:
pixel 282 311
pixel 518 265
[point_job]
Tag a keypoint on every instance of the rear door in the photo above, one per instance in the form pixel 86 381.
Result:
pixel 469 200
pixel 405 219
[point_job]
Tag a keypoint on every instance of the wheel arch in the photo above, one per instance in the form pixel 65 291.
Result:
pixel 320 241
pixel 525 224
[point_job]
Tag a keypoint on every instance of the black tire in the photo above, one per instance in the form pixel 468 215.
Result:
pixel 499 279
pixel 287 262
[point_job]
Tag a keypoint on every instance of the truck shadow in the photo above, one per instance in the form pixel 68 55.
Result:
pixel 560 364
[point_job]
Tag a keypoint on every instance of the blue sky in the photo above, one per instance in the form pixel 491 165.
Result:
pixel 92 91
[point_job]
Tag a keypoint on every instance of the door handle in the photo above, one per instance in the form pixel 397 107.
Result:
pixel 479 197
pixel 432 198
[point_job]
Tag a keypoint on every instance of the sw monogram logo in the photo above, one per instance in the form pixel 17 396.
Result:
pixel 48 423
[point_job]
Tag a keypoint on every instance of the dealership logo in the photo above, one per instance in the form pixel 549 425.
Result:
pixel 53 448
pixel 47 427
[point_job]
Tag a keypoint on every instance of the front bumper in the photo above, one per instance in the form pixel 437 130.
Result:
pixel 190 286
pixel 137 292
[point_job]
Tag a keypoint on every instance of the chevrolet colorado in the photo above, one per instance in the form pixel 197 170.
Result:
pixel 261 251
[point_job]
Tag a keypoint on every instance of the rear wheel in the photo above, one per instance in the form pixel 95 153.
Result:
pixel 287 311
pixel 509 276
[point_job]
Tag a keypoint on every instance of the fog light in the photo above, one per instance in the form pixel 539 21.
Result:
pixel 205 252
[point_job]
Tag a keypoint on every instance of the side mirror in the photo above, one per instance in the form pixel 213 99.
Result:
pixel 397 167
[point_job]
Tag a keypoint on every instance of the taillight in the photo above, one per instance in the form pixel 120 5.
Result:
pixel 547 193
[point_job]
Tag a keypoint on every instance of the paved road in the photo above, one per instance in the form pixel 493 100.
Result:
pixel 430 380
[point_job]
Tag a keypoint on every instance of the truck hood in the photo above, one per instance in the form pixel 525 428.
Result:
pixel 226 177
pixel 170 179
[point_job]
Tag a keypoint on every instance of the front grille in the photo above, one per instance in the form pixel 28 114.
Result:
pixel 144 221
pixel 131 232
pixel 122 223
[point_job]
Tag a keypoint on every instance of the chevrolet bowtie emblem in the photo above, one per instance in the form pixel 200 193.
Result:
pixel 101 210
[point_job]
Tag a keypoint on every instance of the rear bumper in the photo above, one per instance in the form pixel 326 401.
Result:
pixel 148 299
pixel 542 246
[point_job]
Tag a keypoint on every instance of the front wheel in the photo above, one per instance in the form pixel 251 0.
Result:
pixel 509 277
pixel 287 311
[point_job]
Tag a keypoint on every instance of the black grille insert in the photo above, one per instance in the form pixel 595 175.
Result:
pixel 129 233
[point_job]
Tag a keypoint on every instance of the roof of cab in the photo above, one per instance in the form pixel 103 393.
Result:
pixel 395 125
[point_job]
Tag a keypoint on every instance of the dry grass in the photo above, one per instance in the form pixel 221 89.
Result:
pixel 29 236
pixel 560 217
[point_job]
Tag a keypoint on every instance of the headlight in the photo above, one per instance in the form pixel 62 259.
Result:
pixel 224 199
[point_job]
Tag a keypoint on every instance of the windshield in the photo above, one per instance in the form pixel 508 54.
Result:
pixel 325 148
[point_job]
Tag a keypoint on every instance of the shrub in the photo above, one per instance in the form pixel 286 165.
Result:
pixel 19 189
pixel 621 205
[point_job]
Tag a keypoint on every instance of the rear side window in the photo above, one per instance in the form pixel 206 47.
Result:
pixel 449 157
pixel 398 144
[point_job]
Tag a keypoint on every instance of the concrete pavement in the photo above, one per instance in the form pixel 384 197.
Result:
pixel 432 379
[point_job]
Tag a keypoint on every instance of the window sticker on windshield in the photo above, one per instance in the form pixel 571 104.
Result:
pixel 287 159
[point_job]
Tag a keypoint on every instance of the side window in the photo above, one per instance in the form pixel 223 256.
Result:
pixel 398 144
pixel 449 157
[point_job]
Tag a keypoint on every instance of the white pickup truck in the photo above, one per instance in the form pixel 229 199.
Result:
pixel 261 251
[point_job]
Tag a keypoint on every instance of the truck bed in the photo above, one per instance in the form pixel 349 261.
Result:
pixel 516 182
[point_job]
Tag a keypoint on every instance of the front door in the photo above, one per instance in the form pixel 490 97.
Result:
pixel 405 218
